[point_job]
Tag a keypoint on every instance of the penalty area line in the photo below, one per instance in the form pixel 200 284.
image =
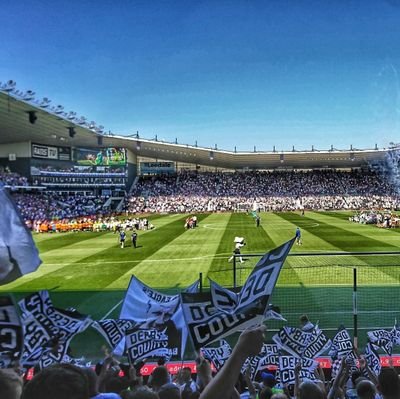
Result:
pixel 112 310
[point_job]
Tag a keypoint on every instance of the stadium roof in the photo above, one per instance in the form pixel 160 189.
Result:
pixel 24 119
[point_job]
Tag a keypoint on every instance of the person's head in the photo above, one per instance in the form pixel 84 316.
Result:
pixel 61 381
pixel 268 379
pixel 116 384
pixel 141 393
pixel 366 390
pixel 159 314
pixel 161 361
pixel 265 393
pixel 389 383
pixel 309 390
pixel 10 384
pixel 186 374
pixel 159 377
pixel 304 319
pixel 92 380
pixel 355 375
pixel 169 391
pixel 279 396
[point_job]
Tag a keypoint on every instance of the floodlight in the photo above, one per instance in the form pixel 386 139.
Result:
pixel 45 102
pixel 9 86
pixel 211 155
pixel 28 96
pixel 59 109
pixel 71 115
pixel 81 121
pixel 138 145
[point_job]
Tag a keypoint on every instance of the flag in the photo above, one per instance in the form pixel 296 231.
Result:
pixel 48 328
pixel 152 309
pixel 302 344
pixel 268 356
pixel 342 344
pixel 11 333
pixel 255 294
pixel 287 364
pixel 113 330
pixel 385 339
pixel 372 358
pixel 145 343
pixel 18 253
pixel 218 355
pixel 207 324
pixel 342 347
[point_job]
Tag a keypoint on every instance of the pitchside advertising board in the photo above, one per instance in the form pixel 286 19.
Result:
pixel 51 152
pixel 174 367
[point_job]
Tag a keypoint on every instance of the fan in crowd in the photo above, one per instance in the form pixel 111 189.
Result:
pixel 272 191
pixel 224 192
pixel 113 380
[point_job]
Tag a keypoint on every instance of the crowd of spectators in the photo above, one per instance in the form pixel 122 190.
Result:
pixel 47 206
pixel 113 380
pixel 8 178
pixel 381 219
pixel 191 192
pixel 266 191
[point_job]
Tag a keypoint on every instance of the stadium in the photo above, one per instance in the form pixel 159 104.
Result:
pixel 51 164
pixel 138 267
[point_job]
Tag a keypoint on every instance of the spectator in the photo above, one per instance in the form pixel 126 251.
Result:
pixel 169 391
pixel 222 385
pixel 389 383
pixel 10 384
pixel 366 390
pixel 61 381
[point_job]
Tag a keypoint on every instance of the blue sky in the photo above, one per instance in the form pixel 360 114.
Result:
pixel 242 73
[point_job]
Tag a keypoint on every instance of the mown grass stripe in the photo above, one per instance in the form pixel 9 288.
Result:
pixel 58 241
pixel 347 241
pixel 197 247
pixel 257 240
pixel 386 237
pixel 94 276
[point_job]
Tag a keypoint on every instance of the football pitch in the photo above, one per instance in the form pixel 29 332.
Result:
pixel 90 272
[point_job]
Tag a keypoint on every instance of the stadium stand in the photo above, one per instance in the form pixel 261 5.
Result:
pixel 268 191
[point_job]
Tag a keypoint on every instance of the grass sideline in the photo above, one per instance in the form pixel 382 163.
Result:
pixel 90 272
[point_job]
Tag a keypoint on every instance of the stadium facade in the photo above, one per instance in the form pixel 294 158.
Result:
pixel 60 150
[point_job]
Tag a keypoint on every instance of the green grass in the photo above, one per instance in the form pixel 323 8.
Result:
pixel 90 272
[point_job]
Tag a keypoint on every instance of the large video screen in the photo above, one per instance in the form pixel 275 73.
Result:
pixel 113 156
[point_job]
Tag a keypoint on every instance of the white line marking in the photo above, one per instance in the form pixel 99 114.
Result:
pixel 112 310
pixel 275 226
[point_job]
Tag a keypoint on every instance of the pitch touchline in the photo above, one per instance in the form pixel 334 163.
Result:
pixel 112 310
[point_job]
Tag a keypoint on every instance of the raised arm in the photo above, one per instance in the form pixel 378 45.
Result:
pixel 222 385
